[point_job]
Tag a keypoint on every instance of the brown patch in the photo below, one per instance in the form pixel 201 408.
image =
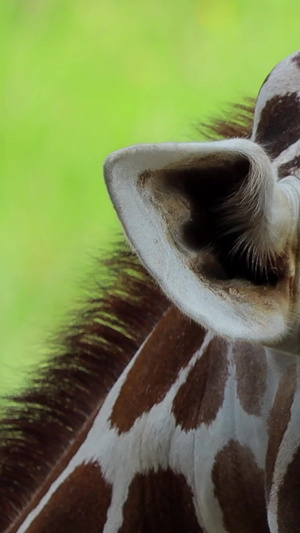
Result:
pixel 289 498
pixel 169 348
pixel 296 59
pixel 79 504
pixel 279 125
pixel 279 419
pixel 160 501
pixel 202 394
pixel 289 168
pixel 251 374
pixel 239 488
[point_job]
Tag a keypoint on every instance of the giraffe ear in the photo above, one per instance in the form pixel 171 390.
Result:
pixel 198 215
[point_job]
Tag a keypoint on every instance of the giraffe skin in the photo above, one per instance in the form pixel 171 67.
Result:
pixel 188 457
pixel 200 433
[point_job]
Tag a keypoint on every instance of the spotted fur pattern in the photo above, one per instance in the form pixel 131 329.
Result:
pixel 148 422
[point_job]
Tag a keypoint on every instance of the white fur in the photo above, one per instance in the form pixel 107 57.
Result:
pixel 228 308
pixel 284 79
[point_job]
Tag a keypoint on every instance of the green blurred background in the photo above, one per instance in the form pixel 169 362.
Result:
pixel 79 79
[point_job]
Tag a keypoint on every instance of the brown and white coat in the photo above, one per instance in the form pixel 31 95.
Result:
pixel 180 413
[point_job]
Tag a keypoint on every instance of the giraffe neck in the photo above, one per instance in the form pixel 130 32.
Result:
pixel 186 394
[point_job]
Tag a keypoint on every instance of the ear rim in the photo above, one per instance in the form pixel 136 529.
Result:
pixel 143 228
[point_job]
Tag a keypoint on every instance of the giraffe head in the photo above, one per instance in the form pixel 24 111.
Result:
pixel 216 223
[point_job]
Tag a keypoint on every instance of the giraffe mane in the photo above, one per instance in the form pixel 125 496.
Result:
pixel 238 125
pixel 42 421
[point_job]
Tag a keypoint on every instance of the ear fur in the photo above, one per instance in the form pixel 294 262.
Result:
pixel 198 250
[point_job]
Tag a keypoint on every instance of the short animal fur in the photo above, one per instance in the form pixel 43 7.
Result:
pixel 173 404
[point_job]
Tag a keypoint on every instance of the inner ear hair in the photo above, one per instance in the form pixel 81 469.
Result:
pixel 197 198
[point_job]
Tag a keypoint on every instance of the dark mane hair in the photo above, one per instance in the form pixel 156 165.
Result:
pixel 238 125
pixel 43 421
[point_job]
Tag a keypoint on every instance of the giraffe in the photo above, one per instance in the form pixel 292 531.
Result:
pixel 193 417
